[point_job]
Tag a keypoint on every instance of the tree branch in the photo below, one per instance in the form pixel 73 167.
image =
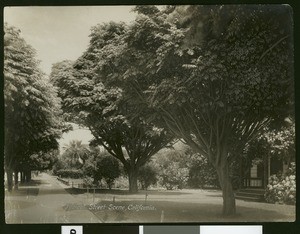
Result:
pixel 275 44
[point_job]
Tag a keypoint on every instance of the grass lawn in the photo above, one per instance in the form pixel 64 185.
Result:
pixel 176 206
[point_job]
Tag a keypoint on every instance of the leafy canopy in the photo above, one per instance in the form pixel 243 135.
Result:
pixel 32 109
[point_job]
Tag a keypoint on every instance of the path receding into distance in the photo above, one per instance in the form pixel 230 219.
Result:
pixel 45 201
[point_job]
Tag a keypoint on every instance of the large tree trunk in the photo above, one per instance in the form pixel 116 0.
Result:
pixel 16 180
pixel 22 177
pixel 229 207
pixel 266 166
pixel 133 179
pixel 27 175
pixel 9 174
pixel 242 173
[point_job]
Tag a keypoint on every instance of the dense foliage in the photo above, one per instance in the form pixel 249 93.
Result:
pixel 88 163
pixel 173 167
pixel 70 173
pixel 109 169
pixel 211 75
pixel 75 154
pixel 105 109
pixel 201 173
pixel 32 109
pixel 43 160
pixel 148 175
pixel 276 142
pixel 282 188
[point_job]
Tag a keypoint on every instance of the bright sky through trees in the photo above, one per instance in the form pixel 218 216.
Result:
pixel 59 33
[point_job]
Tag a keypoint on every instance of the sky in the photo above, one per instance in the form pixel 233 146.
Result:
pixel 80 134
pixel 59 33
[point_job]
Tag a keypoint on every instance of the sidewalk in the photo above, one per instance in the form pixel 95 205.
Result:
pixel 45 201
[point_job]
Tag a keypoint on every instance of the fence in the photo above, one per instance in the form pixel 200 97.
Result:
pixel 253 182
pixel 77 185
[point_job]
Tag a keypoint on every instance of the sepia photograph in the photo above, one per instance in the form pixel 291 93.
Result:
pixel 149 114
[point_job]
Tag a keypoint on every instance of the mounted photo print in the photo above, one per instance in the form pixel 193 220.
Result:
pixel 149 114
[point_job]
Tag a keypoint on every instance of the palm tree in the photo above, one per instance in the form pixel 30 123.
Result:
pixel 76 152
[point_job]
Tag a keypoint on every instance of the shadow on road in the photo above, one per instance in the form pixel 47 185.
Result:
pixel 33 182
pixel 75 191
pixel 15 204
pixel 23 191
pixel 214 195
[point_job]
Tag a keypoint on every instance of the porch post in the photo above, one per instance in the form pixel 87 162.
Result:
pixel 269 166
pixel 266 170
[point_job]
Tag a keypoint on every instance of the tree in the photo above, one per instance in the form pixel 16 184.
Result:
pixel 212 75
pixel 59 165
pixel 109 169
pixel 32 109
pixel 172 167
pixel 76 153
pixel 281 142
pixel 173 176
pixel 43 160
pixel 101 165
pixel 105 109
pixel 147 175
pixel 201 173
pixel 90 167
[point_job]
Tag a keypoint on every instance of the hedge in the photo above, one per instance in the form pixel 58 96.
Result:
pixel 70 173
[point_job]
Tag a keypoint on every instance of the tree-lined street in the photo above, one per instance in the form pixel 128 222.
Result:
pixel 198 99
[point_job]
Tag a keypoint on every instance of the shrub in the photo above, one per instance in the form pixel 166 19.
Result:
pixel 88 169
pixel 88 182
pixel 70 173
pixel 201 173
pixel 172 166
pixel 122 182
pixel 109 169
pixel 282 188
pixel 59 165
pixel 147 176
pixel 173 176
